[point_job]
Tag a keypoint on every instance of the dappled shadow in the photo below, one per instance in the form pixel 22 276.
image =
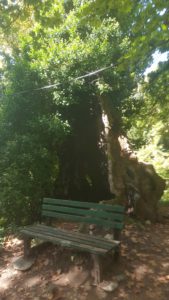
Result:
pixel 146 251
pixel 144 262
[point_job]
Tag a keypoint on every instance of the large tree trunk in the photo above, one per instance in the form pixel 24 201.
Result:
pixel 112 128
pixel 135 184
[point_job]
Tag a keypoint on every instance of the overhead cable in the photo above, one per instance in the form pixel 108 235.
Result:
pixel 57 84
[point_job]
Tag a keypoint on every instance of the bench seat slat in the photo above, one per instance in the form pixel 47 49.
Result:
pixel 80 235
pixel 91 220
pixel 83 212
pixel 74 236
pixel 66 242
pixel 72 203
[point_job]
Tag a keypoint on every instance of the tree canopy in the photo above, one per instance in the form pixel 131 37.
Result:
pixel 63 63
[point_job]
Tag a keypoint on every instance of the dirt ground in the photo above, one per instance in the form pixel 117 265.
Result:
pixel 142 273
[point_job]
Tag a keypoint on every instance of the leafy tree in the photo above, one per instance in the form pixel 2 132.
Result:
pixel 150 129
pixel 53 139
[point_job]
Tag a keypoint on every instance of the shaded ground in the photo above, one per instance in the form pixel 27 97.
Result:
pixel 143 269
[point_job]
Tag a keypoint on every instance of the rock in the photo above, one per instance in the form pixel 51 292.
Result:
pixel 23 264
pixel 108 286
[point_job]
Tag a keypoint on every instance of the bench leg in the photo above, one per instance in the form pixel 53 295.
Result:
pixel 97 269
pixel 117 237
pixel 27 246
pixel 117 253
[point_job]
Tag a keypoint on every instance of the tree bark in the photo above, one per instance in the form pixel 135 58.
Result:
pixel 134 183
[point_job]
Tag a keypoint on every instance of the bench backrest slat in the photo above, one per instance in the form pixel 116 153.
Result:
pixel 87 212
pixel 83 212
pixel 90 220
pixel 62 202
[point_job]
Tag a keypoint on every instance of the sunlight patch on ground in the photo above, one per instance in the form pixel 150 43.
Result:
pixel 7 276
pixel 12 242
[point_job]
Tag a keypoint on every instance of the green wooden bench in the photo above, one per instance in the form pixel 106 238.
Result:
pixel 109 216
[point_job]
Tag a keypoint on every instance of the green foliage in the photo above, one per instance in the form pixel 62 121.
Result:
pixel 29 160
pixel 41 130
pixel 50 138
pixel 150 129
